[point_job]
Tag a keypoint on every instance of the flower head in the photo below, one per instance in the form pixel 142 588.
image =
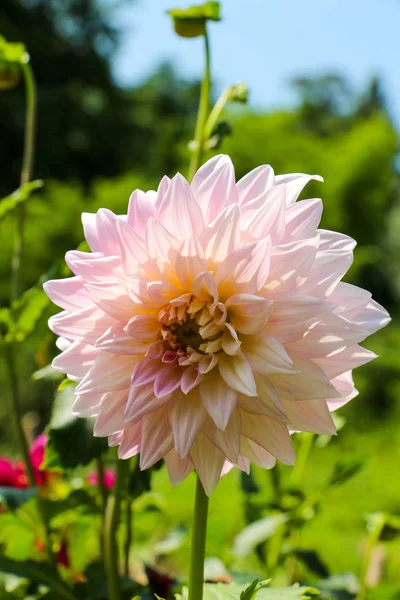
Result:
pixel 36 455
pixel 12 474
pixel 210 322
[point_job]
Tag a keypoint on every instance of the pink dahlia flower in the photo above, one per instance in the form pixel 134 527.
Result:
pixel 36 454
pixel 210 322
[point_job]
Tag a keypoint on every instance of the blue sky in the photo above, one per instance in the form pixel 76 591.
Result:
pixel 264 43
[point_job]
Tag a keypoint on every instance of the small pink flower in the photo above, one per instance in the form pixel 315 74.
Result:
pixel 211 321
pixel 109 478
pixel 36 454
pixel 12 474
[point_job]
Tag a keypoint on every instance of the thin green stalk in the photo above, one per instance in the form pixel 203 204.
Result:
pixel 196 577
pixel 103 496
pixel 204 106
pixel 129 536
pixel 373 539
pixel 303 453
pixel 112 519
pixel 26 172
pixel 215 114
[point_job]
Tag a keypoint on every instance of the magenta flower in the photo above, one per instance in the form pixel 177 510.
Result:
pixel 109 478
pixel 210 322
pixel 12 474
pixel 36 454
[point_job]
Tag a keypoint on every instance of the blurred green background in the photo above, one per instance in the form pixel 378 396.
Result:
pixel 97 142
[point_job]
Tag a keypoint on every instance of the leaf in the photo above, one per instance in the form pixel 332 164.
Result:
pixel 48 373
pixel 72 445
pixel 256 533
pixel 14 497
pixel 345 469
pixel 312 561
pixel 26 312
pixel 35 571
pixel 10 203
pixel 233 591
pixel 191 22
pixel 251 591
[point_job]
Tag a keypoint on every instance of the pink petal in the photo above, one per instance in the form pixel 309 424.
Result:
pixel 218 398
pixel 140 209
pixel 143 327
pixel 295 182
pixel 349 358
pixel 141 400
pixel 94 267
pixel 208 461
pixel 132 248
pixel 68 293
pixel 110 372
pixel 111 414
pixel 161 292
pixel 290 263
pixel 222 235
pixel 85 325
pixel 302 219
pixel 157 439
pixel 372 318
pixel 179 211
pixel 130 442
pixel 308 384
pixel 168 380
pixel 227 440
pixel 257 454
pixel 190 261
pixel 247 313
pixel 190 379
pixel 146 371
pixel 77 360
pixel 178 469
pixel 87 405
pixel 117 341
pixel 257 182
pixel 265 215
pixel 246 268
pixel 270 434
pixel 230 341
pixel 187 417
pixel 161 244
pixel 204 287
pixel 112 297
pixel 237 374
pixel 310 415
pixel 267 356
pixel 328 269
pixel 214 187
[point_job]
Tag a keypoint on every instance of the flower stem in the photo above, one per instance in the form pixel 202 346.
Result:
pixel 204 106
pixel 103 495
pixel 196 577
pixel 373 539
pixel 303 453
pixel 112 519
pixel 129 536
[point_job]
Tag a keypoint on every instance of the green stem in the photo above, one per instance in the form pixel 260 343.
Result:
pixel 26 171
pixel 204 106
pixel 373 539
pixel 112 519
pixel 129 536
pixel 196 577
pixel 303 453
pixel 215 114
pixel 103 496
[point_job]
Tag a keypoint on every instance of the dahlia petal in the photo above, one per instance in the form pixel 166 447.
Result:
pixel 112 297
pixel 290 263
pixel 227 440
pixel 204 287
pixel 130 441
pixel 310 415
pixel 248 313
pixel 302 219
pixel 87 405
pixel 179 211
pixel 68 293
pixel 258 181
pixel 161 292
pixel 161 244
pixel 110 372
pixel 230 341
pixel 332 240
pixel 345 385
pixel 222 235
pixel 265 215
pixel 293 314
pixel 146 371
pixel 141 400
pixel 237 373
pixel 161 191
pixel 143 327
pixel 156 437
pixel 256 454
pixel 190 261
pixel 76 360
pixel 214 187
pixel 90 231
pixel 178 469
pixel 168 380
pixel 132 248
pixel 207 363
pixel 191 377
pixel 328 269
pixel 350 299
pixel 295 182
pixel 267 355
pixel 115 439
pixel 372 318
pixel 111 414
pixel 351 357
pixel 117 341
pixel 247 268
pixel 107 237
pixel 270 434
pixel 94 267
pixel 85 325
pixel 256 406
pixel 208 461
pixel 309 383
pixel 140 209
pixel 218 398
pixel 187 417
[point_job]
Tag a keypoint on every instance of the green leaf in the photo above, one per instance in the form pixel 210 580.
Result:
pixel 10 203
pixel 251 591
pixel 14 497
pixel 312 561
pixel 35 571
pixel 234 591
pixel 26 312
pixel 256 533
pixel 72 445
pixel 345 469
pixel 191 22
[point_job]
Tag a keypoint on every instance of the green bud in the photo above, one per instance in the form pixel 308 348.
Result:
pixel 238 93
pixel 12 56
pixel 9 75
pixel 191 22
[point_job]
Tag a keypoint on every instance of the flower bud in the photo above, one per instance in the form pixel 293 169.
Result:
pixel 9 75
pixel 238 93
pixel 191 22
